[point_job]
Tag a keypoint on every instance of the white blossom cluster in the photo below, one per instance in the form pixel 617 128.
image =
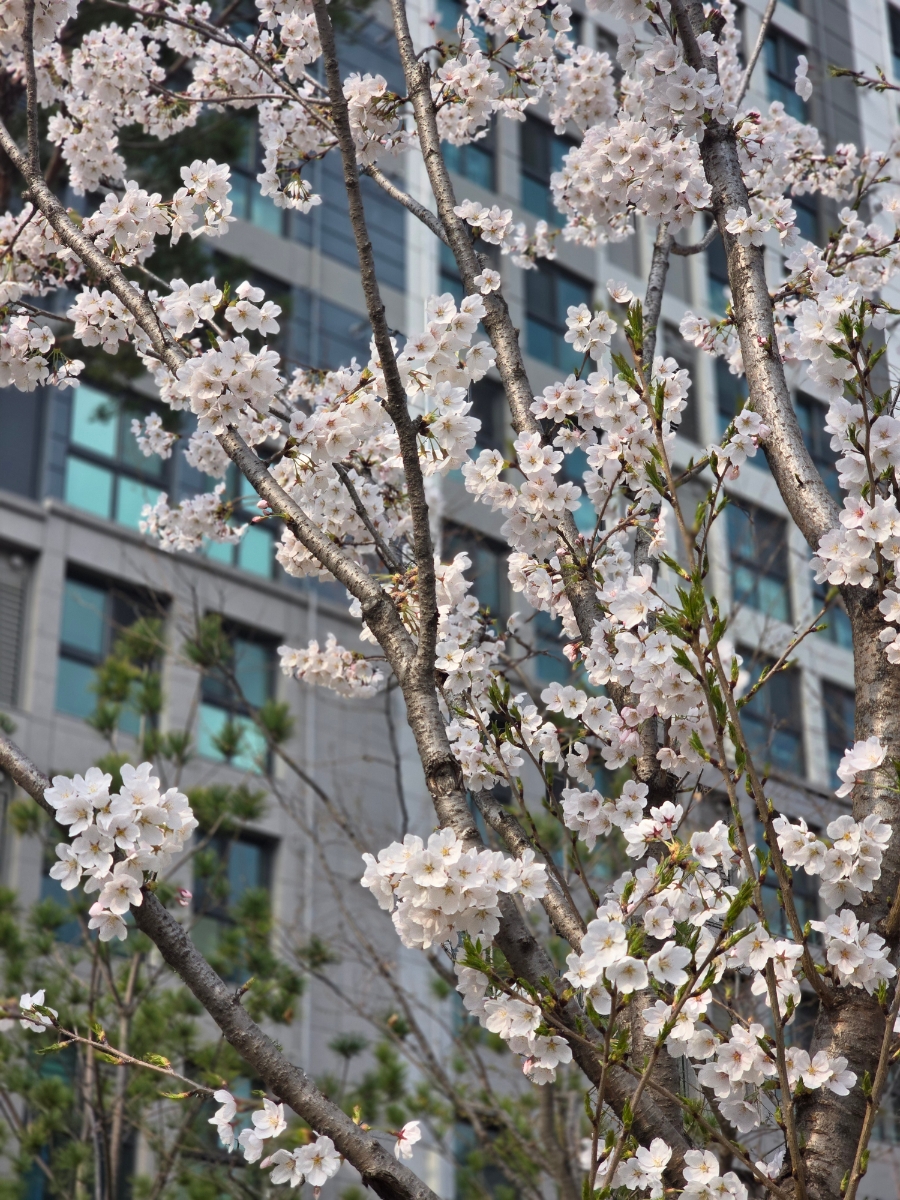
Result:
pixel 116 838
pixel 49 18
pixel 196 518
pixel 32 260
pixel 26 355
pixel 703 1178
pixel 333 667
pixel 438 889
pixel 29 1017
pixel 517 1021
pixel 315 1163
pixel 850 866
pixel 152 437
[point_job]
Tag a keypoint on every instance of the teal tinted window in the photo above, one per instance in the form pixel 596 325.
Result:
pixel 89 487
pixel 772 721
pixel 541 154
pixel 759 554
pixel 252 748
pixel 222 552
pixel 254 552
pixel 106 472
pixel 475 161
pixel 73 688
pixel 549 292
pixel 84 617
pixel 236 691
pixel 781 53
pixel 840 723
pixel 132 496
pixel 489 566
pixel 92 616
pixel 95 421
pixel 253 670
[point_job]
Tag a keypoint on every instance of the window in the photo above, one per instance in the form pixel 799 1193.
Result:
pixel 894 26
pixel 322 334
pixel 106 474
pixel 248 203
pixel 670 344
pixel 229 695
pixel 549 292
pixel 450 278
pixel 22 423
pixel 255 552
pixel 781 53
pixel 489 565
pixel 541 153
pixel 329 223
pixel 807 210
pixel 51 889
pixel 772 720
pixel 731 393
pixel 572 470
pixel 758 548
pixel 489 406
pixel 93 615
pixel 474 160
pixel 449 13
pixel 839 705
pixel 14 575
pixel 231 872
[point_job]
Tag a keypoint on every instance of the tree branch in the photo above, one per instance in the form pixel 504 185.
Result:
pixel 386 1176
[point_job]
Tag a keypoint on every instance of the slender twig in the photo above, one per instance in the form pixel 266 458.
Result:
pixel 757 50
pixel 697 247
pixel 388 556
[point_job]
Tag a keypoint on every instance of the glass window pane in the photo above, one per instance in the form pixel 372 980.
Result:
pixel 73 694
pixel 131 499
pixel 88 487
pixel 95 420
pixel 536 198
pixel 255 552
pixel 132 453
pixel 245 869
pixel 253 670
pixel 210 724
pixel 84 617
pixel 263 212
pixel 222 552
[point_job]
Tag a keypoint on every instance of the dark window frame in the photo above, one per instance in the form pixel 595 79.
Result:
pixel 217 693
pixel 781 52
pixel 542 285
pixel 118 599
pixel 126 462
pixel 773 719
pixel 538 141
pixel 767 559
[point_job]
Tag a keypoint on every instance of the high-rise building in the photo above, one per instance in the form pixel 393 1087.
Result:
pixel 75 571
